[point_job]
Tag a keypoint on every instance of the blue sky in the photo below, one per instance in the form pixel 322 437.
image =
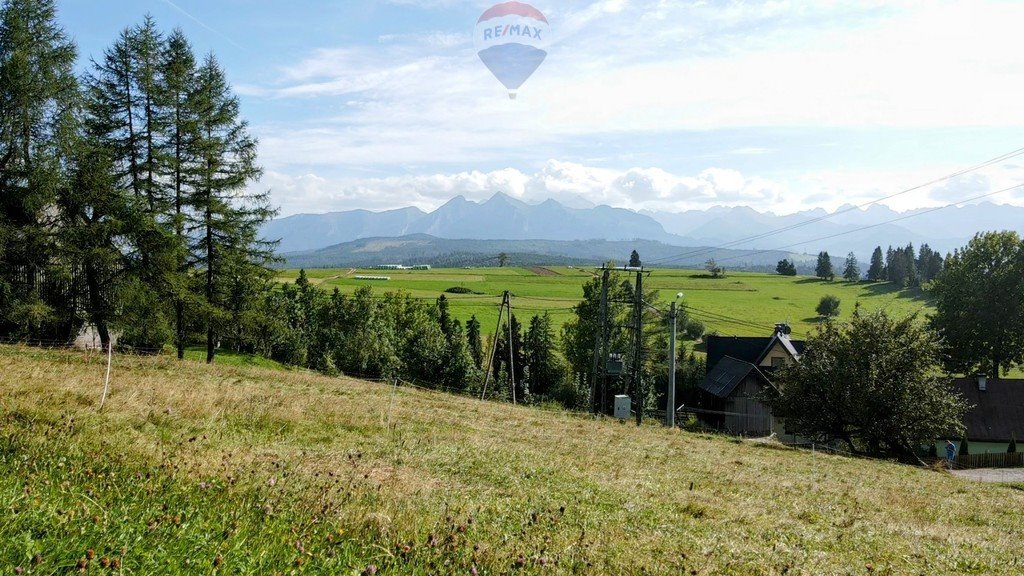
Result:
pixel 645 104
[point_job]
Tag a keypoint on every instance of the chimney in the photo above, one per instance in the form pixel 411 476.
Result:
pixel 982 382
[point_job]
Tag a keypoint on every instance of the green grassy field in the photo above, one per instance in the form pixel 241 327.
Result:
pixel 742 304
pixel 195 469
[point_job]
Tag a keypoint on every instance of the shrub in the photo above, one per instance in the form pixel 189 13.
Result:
pixel 459 290
pixel 1012 448
pixel 694 329
pixel 828 307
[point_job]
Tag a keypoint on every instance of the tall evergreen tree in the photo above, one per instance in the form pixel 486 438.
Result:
pixel 226 218
pixel 545 369
pixel 444 317
pixel 876 271
pixel 476 347
pixel 634 259
pixel 824 269
pixel 177 116
pixel 123 106
pixel 38 97
pixel 851 272
pixel 92 231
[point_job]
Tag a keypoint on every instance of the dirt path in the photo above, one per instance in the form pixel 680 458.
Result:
pixel 539 271
pixel 991 474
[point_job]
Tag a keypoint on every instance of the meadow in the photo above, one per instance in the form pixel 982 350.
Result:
pixel 741 304
pixel 219 469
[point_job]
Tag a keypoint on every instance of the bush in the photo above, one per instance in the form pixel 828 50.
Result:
pixel 828 307
pixel 459 290
pixel 694 329
pixel 1012 448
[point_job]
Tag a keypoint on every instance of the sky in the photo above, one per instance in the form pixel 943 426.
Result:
pixel 643 104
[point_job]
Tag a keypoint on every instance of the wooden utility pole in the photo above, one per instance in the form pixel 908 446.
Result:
pixel 511 348
pixel 600 348
pixel 638 360
pixel 494 343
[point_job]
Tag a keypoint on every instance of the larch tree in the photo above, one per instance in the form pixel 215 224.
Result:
pixel 226 217
pixel 177 115
pixel 38 97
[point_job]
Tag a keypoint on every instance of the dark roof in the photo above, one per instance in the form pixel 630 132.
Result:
pixel 998 412
pixel 727 375
pixel 748 349
pixel 786 343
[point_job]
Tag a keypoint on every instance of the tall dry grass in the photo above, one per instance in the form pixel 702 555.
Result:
pixel 194 468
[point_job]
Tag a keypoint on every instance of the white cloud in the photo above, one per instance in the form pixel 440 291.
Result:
pixel 642 67
pixel 652 189
pixel 570 183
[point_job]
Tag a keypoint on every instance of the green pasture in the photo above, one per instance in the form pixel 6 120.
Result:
pixel 742 304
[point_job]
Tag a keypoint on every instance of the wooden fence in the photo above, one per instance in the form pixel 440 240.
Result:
pixel 995 460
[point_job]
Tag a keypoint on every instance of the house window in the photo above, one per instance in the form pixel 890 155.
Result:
pixel 778 362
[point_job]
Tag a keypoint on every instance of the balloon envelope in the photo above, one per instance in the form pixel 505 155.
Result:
pixel 511 38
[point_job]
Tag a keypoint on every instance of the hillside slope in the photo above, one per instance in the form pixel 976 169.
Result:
pixel 441 252
pixel 202 469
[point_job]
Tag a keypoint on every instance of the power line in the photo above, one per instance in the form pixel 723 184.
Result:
pixel 702 251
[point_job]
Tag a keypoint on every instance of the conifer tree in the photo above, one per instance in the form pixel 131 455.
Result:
pixel 476 347
pixel 177 115
pixel 824 269
pixel 38 96
pixel 92 230
pixel 226 218
pixel 539 348
pixel 877 270
pixel 851 273
pixel 123 104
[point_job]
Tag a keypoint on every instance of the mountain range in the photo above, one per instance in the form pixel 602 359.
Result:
pixel 502 217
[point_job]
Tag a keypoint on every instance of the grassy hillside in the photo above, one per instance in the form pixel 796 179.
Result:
pixel 219 469
pixel 742 304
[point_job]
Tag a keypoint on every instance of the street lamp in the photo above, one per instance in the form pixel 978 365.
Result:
pixel 670 401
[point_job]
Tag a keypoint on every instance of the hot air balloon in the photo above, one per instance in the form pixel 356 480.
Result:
pixel 511 38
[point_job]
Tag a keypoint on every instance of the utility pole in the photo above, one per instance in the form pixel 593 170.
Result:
pixel 511 348
pixel 670 405
pixel 638 308
pixel 600 348
pixel 494 343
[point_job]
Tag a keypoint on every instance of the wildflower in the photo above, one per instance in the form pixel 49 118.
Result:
pixel 82 565
pixel 370 570
pixel 37 559
pixel 473 571
pixel 90 554
pixel 104 562
pixel 19 570
pixel 115 563
pixel 217 561
pixel 272 482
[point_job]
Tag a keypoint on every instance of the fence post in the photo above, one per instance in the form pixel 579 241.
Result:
pixel 106 381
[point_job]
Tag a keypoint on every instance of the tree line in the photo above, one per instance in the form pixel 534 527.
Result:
pixel 902 266
pixel 125 198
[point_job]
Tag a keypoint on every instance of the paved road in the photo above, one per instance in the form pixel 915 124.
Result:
pixel 992 474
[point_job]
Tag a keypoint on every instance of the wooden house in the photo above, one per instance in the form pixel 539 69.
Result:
pixel 739 372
